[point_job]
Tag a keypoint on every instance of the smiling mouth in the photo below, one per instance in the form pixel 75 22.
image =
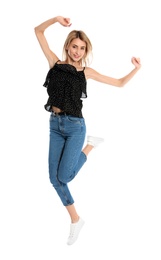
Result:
pixel 77 57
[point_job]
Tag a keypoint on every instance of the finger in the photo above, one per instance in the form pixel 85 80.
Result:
pixel 68 20
pixel 137 60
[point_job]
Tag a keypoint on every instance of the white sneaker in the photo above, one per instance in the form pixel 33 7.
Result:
pixel 75 228
pixel 94 141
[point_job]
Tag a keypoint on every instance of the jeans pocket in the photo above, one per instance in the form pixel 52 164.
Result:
pixel 52 118
pixel 75 120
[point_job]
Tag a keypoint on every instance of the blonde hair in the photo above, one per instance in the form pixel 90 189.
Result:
pixel 86 60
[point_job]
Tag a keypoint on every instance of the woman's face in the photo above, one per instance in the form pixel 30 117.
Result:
pixel 76 49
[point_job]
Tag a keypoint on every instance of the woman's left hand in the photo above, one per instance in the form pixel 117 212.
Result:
pixel 136 62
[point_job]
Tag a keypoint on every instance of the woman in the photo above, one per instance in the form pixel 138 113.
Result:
pixel 66 86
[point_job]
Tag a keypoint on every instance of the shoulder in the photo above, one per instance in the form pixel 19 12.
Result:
pixel 90 73
pixel 54 62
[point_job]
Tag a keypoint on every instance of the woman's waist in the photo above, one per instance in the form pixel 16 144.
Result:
pixel 57 111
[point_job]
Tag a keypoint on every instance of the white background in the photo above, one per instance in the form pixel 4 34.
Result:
pixel 117 192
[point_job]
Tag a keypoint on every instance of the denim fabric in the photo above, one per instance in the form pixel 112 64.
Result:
pixel 67 135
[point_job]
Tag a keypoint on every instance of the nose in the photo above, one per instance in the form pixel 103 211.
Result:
pixel 77 52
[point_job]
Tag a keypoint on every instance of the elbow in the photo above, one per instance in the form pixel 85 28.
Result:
pixel 37 30
pixel 120 83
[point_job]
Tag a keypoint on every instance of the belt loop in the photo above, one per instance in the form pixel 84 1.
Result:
pixel 54 113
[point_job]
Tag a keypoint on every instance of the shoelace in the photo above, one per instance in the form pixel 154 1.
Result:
pixel 72 230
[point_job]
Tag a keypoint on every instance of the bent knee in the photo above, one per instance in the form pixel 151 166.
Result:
pixel 64 178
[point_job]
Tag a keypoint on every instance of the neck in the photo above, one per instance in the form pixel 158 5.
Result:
pixel 70 61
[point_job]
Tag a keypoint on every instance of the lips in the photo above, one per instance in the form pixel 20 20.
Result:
pixel 76 57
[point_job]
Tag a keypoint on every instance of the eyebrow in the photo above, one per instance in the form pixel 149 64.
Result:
pixel 80 46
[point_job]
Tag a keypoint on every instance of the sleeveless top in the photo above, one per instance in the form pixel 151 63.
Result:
pixel 65 87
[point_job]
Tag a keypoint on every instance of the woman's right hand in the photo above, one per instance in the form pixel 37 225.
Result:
pixel 64 21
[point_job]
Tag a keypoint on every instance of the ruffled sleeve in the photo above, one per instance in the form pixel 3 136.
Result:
pixel 47 80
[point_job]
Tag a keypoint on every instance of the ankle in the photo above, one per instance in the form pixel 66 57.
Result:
pixel 75 220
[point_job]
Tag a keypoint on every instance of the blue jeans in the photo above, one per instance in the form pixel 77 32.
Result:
pixel 67 135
